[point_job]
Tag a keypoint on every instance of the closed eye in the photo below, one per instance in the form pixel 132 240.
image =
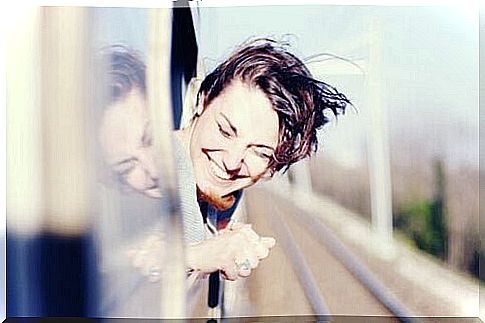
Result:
pixel 125 166
pixel 224 132
pixel 263 153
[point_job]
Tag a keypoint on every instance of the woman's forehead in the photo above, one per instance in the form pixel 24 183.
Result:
pixel 248 110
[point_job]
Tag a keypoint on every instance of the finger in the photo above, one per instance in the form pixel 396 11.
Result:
pixel 155 242
pixel 145 269
pixel 232 226
pixel 250 258
pixel 268 242
pixel 230 270
pixel 244 272
pixel 236 225
pixel 130 253
pixel 139 260
pixel 261 251
pixel 250 233
pixel 153 271
pixel 246 263
pixel 150 240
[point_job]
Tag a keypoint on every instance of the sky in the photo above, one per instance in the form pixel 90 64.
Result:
pixel 424 59
pixel 427 68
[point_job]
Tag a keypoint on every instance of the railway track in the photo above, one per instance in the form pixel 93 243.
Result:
pixel 310 272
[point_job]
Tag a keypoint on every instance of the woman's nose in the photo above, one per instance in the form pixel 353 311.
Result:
pixel 233 160
pixel 233 172
pixel 147 160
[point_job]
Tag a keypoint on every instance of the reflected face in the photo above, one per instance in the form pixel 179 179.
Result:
pixel 233 140
pixel 127 146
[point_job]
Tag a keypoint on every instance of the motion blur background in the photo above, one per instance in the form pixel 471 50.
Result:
pixel 428 83
pixel 412 75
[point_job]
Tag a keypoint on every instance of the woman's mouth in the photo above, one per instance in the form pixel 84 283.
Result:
pixel 217 171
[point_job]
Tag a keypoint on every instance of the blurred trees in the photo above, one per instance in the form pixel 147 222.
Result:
pixel 424 221
pixel 434 205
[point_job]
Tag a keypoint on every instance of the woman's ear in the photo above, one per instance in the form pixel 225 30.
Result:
pixel 199 108
pixel 190 103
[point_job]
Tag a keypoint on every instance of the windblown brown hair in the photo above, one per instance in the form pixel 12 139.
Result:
pixel 126 71
pixel 300 100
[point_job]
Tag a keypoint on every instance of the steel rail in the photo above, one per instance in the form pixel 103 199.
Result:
pixel 355 266
pixel 300 265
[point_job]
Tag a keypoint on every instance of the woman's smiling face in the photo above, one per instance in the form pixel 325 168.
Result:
pixel 125 137
pixel 233 140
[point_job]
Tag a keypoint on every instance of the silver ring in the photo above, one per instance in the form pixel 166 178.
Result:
pixel 154 274
pixel 245 265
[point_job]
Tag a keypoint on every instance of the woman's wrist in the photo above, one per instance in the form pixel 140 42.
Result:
pixel 191 258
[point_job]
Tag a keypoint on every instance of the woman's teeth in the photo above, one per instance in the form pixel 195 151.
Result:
pixel 216 170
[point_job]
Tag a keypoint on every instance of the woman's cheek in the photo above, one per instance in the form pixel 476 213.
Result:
pixel 138 179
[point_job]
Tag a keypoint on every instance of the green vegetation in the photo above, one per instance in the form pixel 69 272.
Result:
pixel 433 207
pixel 424 221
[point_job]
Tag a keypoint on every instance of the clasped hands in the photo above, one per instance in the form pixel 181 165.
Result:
pixel 235 251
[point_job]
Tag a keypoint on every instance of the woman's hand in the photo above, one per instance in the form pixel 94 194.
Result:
pixel 147 256
pixel 235 251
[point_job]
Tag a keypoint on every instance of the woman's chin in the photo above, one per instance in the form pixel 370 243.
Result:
pixel 216 199
pixel 153 193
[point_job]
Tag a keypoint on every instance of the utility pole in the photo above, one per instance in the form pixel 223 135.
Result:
pixel 378 139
